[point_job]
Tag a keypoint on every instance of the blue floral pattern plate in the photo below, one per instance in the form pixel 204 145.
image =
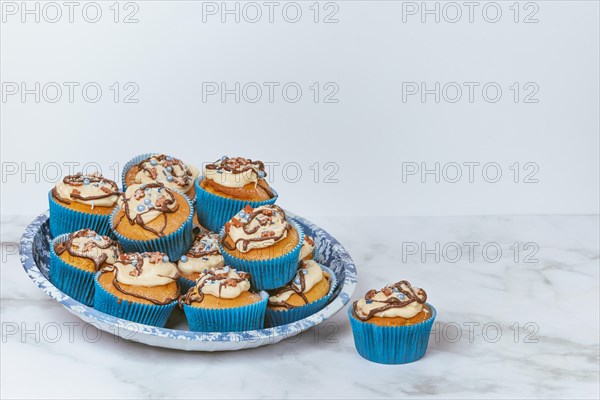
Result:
pixel 34 249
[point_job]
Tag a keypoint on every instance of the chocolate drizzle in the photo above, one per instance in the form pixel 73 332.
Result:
pixel 94 179
pixel 392 302
pixel 162 205
pixel 237 165
pixel 137 261
pixel 195 294
pixel 199 249
pixel 88 233
pixel 290 287
pixel 181 180
pixel 250 215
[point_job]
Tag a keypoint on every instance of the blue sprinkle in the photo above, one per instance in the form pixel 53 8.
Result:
pixel 396 290
pixel 97 237
pixel 205 270
pixel 141 207
pixel 134 262
pixel 205 258
pixel 166 259
pixel 147 201
pixel 86 181
pixel 169 178
pixel 369 301
pixel 219 171
pixel 297 281
pixel 169 168
pixel 400 296
pixel 226 268
pixel 183 258
pixel 153 162
pixel 261 174
pixel 305 271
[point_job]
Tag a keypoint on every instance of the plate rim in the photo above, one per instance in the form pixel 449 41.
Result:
pixel 264 335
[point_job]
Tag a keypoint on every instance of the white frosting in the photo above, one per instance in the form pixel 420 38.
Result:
pixel 179 172
pixel 200 264
pixel 312 276
pixel 273 225
pixel 87 246
pixel 231 179
pixel 155 270
pixel 221 287
pixel 408 311
pixel 307 247
pixel 92 189
pixel 197 264
pixel 139 197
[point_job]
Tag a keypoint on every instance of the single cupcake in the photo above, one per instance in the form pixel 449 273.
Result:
pixel 222 301
pixel 76 257
pixel 308 248
pixel 171 172
pixel 227 185
pixel 151 217
pixel 139 287
pixel 392 326
pixel 306 294
pixel 264 243
pixel 82 201
pixel 201 257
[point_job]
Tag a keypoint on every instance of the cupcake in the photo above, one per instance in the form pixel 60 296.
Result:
pixel 171 172
pixel 76 257
pixel 262 242
pixel 392 326
pixel 227 185
pixel 139 287
pixel 222 301
pixel 201 257
pixel 308 248
pixel 82 201
pixel 307 293
pixel 152 217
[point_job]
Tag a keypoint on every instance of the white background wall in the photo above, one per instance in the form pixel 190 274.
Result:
pixel 370 54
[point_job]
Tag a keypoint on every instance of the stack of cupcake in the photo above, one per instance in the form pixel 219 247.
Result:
pixel 138 253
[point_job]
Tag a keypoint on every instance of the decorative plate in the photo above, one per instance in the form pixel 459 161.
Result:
pixel 34 249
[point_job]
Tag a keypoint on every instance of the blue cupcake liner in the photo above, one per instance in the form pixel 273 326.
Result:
pixel 282 317
pixel 173 245
pixel 391 344
pixel 65 220
pixel 134 161
pixel 214 211
pixel 147 314
pixel 268 274
pixel 185 284
pixel 237 319
pixel 72 281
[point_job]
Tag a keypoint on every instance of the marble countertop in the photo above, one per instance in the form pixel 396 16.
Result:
pixel 518 316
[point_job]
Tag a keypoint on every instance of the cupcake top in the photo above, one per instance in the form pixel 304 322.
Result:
pixel 256 228
pixel 234 172
pixel 308 247
pixel 143 203
pixel 91 189
pixel 308 275
pixel 171 172
pixel 203 255
pixel 88 244
pixel 143 269
pixel 224 283
pixel 397 300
